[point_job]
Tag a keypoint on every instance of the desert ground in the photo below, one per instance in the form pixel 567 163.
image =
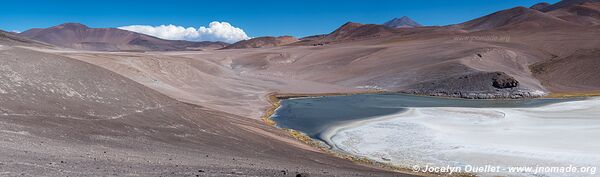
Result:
pixel 65 117
pixel 73 111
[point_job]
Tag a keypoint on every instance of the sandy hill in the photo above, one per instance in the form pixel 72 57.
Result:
pixel 85 120
pixel 78 36
pixel 260 42
pixel 403 22
pixel 574 72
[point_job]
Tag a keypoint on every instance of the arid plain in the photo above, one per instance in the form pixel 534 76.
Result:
pixel 122 108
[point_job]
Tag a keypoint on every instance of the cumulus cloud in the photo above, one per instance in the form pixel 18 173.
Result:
pixel 216 31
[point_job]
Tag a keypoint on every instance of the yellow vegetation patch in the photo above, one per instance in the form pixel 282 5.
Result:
pixel 573 94
pixel 275 103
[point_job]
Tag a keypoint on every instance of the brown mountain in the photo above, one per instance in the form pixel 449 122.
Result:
pixel 587 14
pixel 567 3
pixel 260 42
pixel 78 36
pixel 350 31
pixel 353 31
pixel 515 18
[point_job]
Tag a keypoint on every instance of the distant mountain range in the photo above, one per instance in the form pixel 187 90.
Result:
pixel 403 22
pixel 541 15
pixel 563 14
pixel 568 13
pixel 79 36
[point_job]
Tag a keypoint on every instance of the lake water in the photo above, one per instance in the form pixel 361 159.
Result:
pixel 409 131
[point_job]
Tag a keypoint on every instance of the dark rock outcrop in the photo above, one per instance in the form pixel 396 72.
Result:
pixel 302 175
pixel 502 80
pixel 475 85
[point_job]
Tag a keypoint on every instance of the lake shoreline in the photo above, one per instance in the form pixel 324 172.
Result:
pixel 275 99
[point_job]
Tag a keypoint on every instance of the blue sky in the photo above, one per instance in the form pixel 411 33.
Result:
pixel 256 18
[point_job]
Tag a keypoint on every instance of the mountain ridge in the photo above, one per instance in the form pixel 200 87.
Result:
pixel 79 36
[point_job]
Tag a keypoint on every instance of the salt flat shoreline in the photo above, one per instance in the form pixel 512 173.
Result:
pixel 275 102
pixel 510 132
pixel 275 99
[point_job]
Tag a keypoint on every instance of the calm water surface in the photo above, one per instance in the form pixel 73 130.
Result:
pixel 314 115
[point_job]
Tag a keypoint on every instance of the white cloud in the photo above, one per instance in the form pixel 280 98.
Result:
pixel 216 31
